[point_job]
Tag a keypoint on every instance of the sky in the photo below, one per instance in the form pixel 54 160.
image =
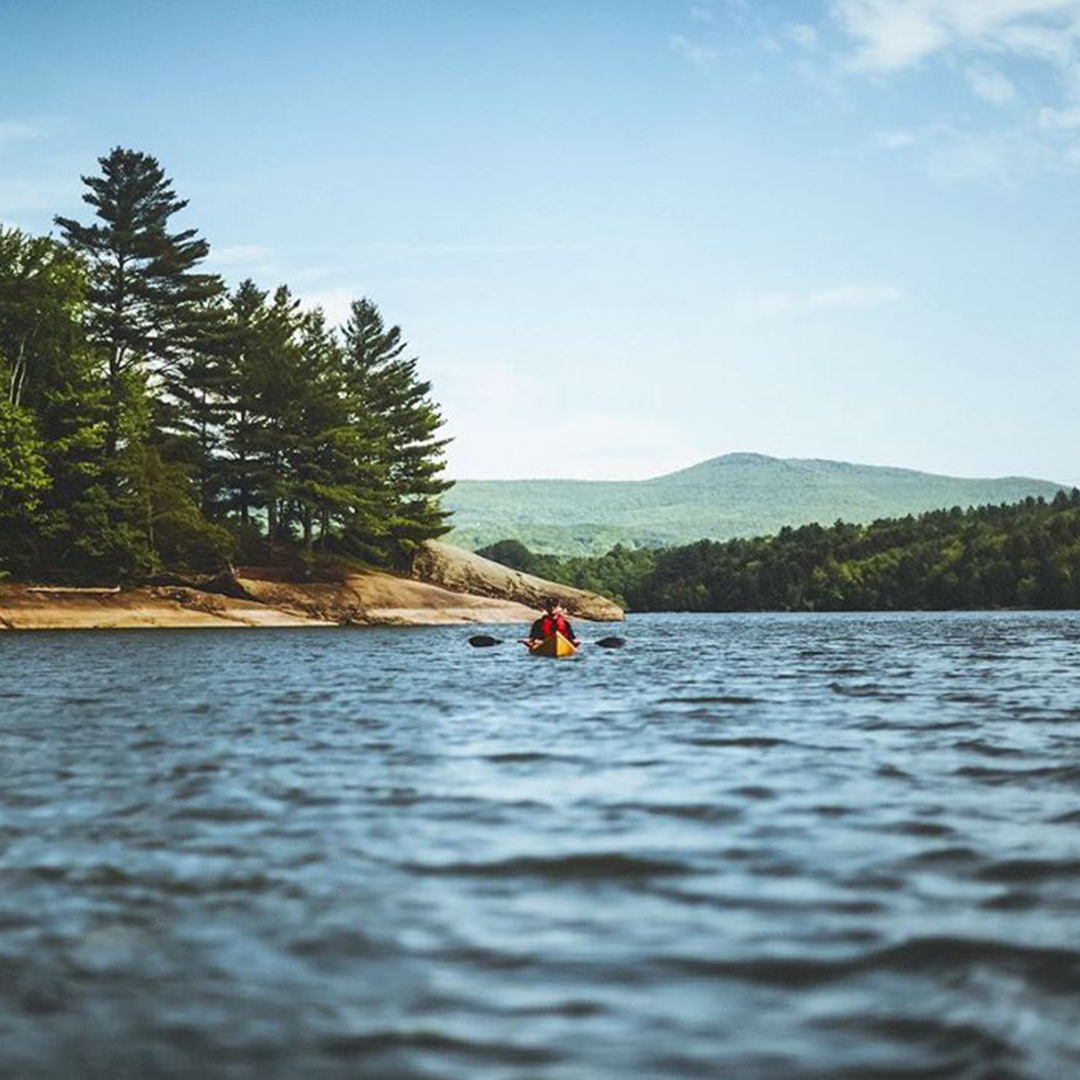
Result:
pixel 622 236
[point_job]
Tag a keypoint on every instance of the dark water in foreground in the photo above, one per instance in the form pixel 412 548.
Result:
pixel 759 847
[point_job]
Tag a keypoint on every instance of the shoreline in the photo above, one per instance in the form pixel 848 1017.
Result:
pixel 448 586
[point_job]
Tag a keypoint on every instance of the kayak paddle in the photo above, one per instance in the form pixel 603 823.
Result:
pixel 483 641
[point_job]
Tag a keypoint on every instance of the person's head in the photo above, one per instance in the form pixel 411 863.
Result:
pixel 551 605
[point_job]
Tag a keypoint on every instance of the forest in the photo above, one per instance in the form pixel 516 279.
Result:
pixel 1018 555
pixel 152 419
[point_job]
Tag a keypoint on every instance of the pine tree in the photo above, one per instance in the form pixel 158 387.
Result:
pixel 144 291
pixel 273 383
pixel 239 421
pixel 384 383
pixel 189 416
pixel 319 438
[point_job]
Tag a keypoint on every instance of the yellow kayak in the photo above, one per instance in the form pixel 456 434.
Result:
pixel 556 646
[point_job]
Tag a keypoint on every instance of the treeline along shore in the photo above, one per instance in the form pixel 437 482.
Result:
pixel 153 419
pixel 177 453
pixel 1020 555
pixel 162 431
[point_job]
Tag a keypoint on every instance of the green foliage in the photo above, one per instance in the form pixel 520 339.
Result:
pixel 1018 555
pixel 621 571
pixel 727 497
pixel 42 285
pixel 49 369
pixel 165 516
pixel 22 475
pixel 402 424
pixel 152 421
pixel 512 553
pixel 145 296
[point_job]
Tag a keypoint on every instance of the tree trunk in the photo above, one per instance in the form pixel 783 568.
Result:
pixel 112 421
pixel 18 376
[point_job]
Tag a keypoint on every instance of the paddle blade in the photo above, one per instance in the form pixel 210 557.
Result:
pixel 611 642
pixel 482 641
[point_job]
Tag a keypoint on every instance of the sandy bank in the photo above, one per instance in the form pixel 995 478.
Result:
pixel 447 586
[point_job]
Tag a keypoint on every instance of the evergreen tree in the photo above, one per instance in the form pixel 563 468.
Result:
pixel 188 419
pixel 272 384
pixel 383 381
pixel 243 340
pixel 140 401
pixel 315 431
pixel 144 293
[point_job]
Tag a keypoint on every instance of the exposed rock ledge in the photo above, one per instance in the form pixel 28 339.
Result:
pixel 446 586
pixel 462 571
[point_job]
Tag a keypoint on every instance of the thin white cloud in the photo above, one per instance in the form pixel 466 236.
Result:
pixel 1065 119
pixel 894 140
pixel 700 13
pixel 1006 158
pixel 839 298
pixel 979 39
pixel 801 34
pixel 19 131
pixel 824 80
pixel 990 85
pixel 700 55
pixel 890 35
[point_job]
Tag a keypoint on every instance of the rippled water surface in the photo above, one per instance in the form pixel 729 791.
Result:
pixel 769 846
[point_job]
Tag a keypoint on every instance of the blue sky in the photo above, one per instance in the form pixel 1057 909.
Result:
pixel 622 235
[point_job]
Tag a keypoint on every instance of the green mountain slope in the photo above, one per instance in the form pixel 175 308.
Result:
pixel 725 497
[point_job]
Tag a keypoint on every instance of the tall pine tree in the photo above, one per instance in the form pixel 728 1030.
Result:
pixel 145 291
pixel 384 384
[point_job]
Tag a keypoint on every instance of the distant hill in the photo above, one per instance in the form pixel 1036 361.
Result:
pixel 725 497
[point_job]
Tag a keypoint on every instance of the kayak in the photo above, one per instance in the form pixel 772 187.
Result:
pixel 556 646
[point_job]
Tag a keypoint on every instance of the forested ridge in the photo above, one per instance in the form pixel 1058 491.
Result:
pixel 1019 555
pixel 153 419
pixel 736 495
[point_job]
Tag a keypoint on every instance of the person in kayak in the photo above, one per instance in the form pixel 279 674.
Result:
pixel 553 621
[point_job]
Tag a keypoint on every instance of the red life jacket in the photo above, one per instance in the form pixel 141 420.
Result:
pixel 551 624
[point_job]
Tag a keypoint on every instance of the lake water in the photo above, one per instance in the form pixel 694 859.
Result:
pixel 760 847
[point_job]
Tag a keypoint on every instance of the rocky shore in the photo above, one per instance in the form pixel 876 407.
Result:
pixel 446 586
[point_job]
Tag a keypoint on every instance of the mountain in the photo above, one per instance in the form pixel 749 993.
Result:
pixel 725 497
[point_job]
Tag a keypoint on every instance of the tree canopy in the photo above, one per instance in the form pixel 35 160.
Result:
pixel 153 419
pixel 1016 555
